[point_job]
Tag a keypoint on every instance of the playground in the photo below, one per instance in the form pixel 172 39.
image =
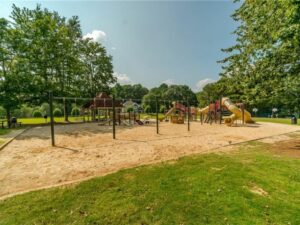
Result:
pixel 85 150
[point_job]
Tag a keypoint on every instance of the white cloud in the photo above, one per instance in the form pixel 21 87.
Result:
pixel 96 35
pixel 168 82
pixel 122 78
pixel 201 83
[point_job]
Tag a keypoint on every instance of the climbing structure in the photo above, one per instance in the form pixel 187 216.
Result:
pixel 178 112
pixel 227 111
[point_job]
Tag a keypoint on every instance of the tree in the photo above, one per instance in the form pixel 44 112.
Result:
pixel 41 51
pixel 127 91
pixel 180 93
pixel 263 66
pixel 97 69
pixel 168 94
pixel 13 80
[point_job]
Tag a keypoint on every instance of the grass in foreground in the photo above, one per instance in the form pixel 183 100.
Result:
pixel 203 189
pixel 6 130
pixel 275 120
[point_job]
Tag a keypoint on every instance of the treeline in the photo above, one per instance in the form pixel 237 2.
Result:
pixel 166 94
pixel 146 98
pixel 40 51
pixel 263 67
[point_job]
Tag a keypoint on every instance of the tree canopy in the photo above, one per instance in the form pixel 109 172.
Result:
pixel 263 67
pixel 167 94
pixel 40 51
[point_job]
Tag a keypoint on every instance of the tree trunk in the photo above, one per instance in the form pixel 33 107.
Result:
pixel 8 117
pixel 66 112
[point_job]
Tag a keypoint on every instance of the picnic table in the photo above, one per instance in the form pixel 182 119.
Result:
pixel 13 123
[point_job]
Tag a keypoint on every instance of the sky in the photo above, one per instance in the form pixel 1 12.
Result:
pixel 154 42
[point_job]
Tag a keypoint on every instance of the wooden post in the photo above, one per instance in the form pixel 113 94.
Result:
pixel 188 114
pixel 114 117
pixel 243 113
pixel 129 119
pixel 215 112
pixel 157 126
pixel 220 109
pixel 201 118
pixel 51 118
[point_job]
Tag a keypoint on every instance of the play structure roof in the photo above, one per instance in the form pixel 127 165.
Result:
pixel 103 101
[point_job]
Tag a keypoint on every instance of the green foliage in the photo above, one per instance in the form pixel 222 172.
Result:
pixel 97 69
pixel 198 189
pixel 75 111
pixel 129 109
pixel 135 92
pixel 57 112
pixel 147 109
pixel 37 114
pixel 2 112
pixel 45 108
pixel 162 109
pixel 167 94
pixel 41 51
pixel 262 68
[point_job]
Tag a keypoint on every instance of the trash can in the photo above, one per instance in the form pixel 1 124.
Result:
pixel 293 120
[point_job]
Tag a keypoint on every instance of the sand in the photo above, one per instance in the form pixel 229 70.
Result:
pixel 87 150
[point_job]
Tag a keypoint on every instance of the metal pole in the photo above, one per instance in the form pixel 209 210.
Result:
pixel 51 118
pixel 114 117
pixel 220 109
pixel 188 114
pixel 157 126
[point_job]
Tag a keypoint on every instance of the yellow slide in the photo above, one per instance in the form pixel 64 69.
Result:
pixel 236 112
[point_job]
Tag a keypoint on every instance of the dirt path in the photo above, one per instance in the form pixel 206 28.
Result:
pixel 85 150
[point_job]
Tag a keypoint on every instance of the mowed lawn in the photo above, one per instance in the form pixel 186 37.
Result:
pixel 275 120
pixel 246 186
pixel 43 121
pixel 34 121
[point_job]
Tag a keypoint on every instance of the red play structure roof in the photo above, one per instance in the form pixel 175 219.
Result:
pixel 102 100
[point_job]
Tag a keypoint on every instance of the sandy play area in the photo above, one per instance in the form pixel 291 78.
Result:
pixel 85 150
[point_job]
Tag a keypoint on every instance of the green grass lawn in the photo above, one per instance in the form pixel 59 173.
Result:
pixel 43 121
pixel 6 130
pixel 2 141
pixel 152 115
pixel 202 189
pixel 275 120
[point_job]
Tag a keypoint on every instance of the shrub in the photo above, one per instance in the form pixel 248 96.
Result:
pixel 75 111
pixel 37 113
pixel 27 111
pixel 130 109
pixel 57 112
pixel 2 112
pixel 162 109
pixel 147 109
pixel 45 108
pixel 17 113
